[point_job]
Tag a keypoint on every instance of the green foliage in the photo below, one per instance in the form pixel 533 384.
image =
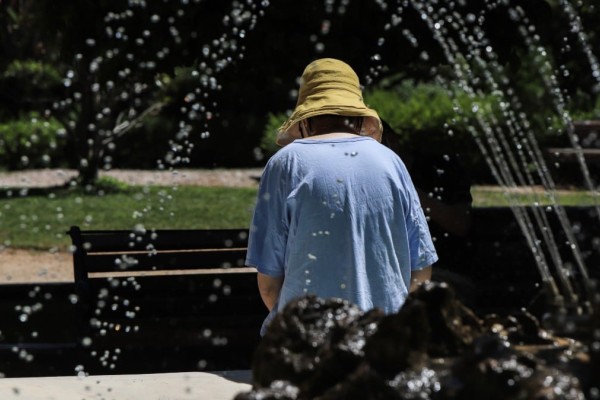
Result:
pixel 27 85
pixel 107 184
pixel 246 86
pixel 31 142
pixel 431 120
pixel 411 107
pixel 592 113
pixel 32 74
pixel 425 116
pixel 267 142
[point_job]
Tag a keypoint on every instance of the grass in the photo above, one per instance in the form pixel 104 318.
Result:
pixel 41 221
pixel 491 197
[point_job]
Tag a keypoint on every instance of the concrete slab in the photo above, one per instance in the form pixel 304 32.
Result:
pixel 171 386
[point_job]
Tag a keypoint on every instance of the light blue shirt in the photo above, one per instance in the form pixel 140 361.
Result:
pixel 339 218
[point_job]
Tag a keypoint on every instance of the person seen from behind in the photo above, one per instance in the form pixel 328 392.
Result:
pixel 337 214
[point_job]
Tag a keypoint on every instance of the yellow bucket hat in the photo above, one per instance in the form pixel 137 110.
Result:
pixel 329 86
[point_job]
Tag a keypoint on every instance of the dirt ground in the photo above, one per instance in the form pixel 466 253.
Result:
pixel 23 266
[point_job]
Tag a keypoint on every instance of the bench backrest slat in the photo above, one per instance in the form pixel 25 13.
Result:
pixel 108 251
pixel 124 240
pixel 165 261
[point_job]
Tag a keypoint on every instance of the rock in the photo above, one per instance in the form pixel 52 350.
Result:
pixel 313 343
pixel 453 326
pixel 492 370
pixel 433 348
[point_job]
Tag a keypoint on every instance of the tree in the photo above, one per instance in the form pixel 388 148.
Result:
pixel 196 66
pixel 117 60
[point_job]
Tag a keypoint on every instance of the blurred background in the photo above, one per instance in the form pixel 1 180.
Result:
pixel 204 84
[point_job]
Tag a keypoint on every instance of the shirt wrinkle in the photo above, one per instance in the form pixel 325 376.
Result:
pixel 340 225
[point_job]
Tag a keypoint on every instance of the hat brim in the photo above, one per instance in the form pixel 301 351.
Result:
pixel 290 130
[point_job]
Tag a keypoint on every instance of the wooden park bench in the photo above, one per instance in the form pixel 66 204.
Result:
pixel 141 302
pixel 565 162
pixel 166 300
pixel 588 138
pixel 566 159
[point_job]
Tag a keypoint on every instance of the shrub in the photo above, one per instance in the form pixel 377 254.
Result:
pixel 432 120
pixel 32 73
pixel 427 107
pixel 31 142
pixel 267 142
pixel 424 115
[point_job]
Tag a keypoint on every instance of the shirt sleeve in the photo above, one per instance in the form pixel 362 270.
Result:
pixel 422 250
pixel 269 229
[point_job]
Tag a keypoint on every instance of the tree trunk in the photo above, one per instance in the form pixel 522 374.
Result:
pixel 86 140
pixel 88 174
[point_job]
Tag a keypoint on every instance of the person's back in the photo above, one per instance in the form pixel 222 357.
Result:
pixel 352 196
pixel 337 214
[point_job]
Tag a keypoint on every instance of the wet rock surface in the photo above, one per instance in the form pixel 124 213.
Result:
pixel 313 343
pixel 493 369
pixel 433 348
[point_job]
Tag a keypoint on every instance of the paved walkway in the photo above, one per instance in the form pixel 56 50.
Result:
pixel 171 386
pixel 247 177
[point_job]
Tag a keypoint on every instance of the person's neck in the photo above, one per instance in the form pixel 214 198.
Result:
pixel 332 135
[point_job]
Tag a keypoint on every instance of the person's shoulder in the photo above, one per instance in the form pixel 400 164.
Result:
pixel 385 151
pixel 283 156
pixel 283 151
